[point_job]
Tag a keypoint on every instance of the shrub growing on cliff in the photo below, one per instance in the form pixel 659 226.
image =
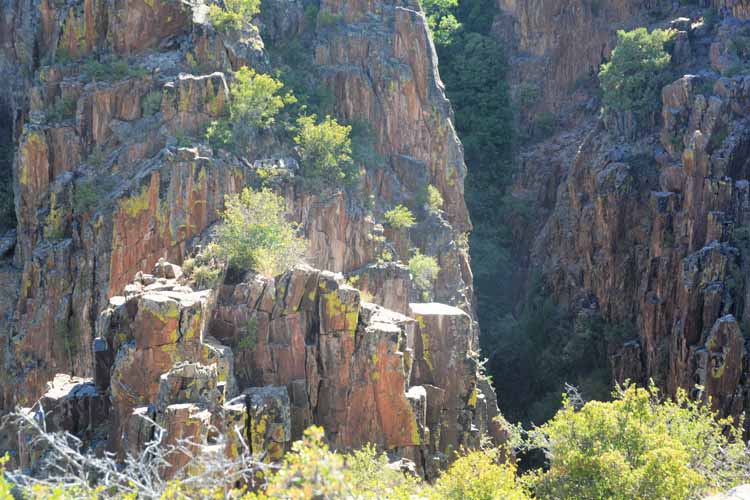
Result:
pixel 255 233
pixel 434 199
pixel 234 15
pixel 256 99
pixel 638 70
pixel 424 270
pixel 638 447
pixel 399 217
pixel 325 151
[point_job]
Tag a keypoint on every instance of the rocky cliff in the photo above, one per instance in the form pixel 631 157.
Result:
pixel 651 230
pixel 105 105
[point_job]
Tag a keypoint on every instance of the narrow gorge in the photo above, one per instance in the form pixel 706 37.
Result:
pixel 403 226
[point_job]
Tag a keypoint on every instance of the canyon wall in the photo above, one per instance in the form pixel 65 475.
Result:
pixel 107 185
pixel 649 231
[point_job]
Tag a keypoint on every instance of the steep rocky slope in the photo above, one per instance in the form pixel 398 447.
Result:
pixel 106 104
pixel 644 227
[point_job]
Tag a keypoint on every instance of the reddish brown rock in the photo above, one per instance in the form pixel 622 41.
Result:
pixel 131 26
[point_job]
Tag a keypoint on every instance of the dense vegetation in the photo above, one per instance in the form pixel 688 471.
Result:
pixel 255 102
pixel 235 14
pixel 639 68
pixel 255 233
pixel 638 447
pixel 325 149
pixel 635 447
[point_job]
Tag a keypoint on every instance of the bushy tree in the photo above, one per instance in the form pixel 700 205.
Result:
pixel 478 475
pixel 399 217
pixel 638 70
pixel 638 447
pixel 434 199
pixel 256 98
pixel 312 471
pixel 234 15
pixel 424 270
pixel 255 233
pixel 325 151
pixel 441 20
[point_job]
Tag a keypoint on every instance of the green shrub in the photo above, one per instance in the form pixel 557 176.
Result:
pixel 478 476
pixel 311 15
pixel 400 217
pixel 219 135
pixel 424 271
pixel 234 15
pixel 63 109
pixel 84 197
pixel 544 125
pixel 638 70
pixel 255 101
pixel 312 470
pixel 256 98
pixel 327 19
pixel 205 269
pixel 111 70
pixel 638 447
pixel 325 151
pixel 151 103
pixel 441 20
pixel 434 199
pixel 255 233
pixel 250 339
pixel 97 156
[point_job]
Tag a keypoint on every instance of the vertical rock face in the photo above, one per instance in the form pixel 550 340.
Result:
pixel 111 176
pixel 554 44
pixel 652 231
pixel 103 190
pixel 363 372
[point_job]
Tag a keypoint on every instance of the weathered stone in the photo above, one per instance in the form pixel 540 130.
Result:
pixel 189 383
pixel 138 430
pixel 269 421
pixel 185 425
pixel 720 365
pixel 388 285
pixel 443 340
pixel 170 358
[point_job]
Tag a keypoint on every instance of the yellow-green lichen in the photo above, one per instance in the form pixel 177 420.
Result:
pixel 135 205
pixel 53 225
pixel 473 397
pixel 185 97
pixel 336 308
pixel 426 350
pixel 718 371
